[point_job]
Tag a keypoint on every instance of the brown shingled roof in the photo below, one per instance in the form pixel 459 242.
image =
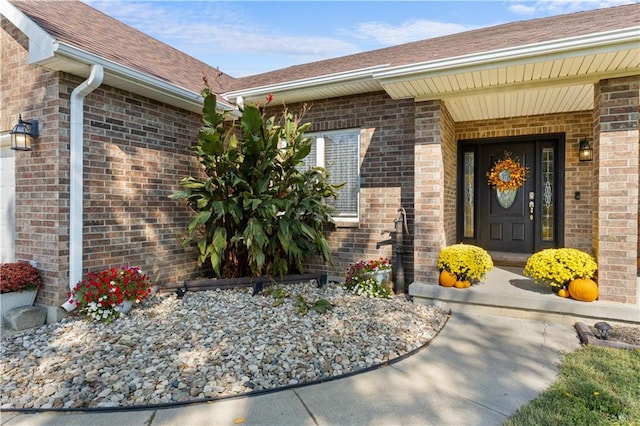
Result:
pixel 79 25
pixel 460 44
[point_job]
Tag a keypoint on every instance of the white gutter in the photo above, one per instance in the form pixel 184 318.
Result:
pixel 154 84
pixel 76 142
pixel 362 74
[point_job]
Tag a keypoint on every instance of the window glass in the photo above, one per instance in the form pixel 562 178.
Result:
pixel 338 152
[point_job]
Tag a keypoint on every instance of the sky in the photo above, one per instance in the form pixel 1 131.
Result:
pixel 251 37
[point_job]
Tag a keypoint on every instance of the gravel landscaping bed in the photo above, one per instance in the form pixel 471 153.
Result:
pixel 207 345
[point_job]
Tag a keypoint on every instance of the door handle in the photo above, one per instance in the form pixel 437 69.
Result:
pixel 531 207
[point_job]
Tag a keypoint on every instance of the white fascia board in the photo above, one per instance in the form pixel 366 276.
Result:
pixel 40 42
pixel 627 38
pixel 162 87
pixel 362 74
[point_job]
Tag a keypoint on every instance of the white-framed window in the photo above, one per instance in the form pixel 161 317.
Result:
pixel 339 152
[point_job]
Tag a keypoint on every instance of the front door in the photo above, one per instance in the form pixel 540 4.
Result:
pixel 522 220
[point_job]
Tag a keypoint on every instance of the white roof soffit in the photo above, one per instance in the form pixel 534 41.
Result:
pixel 385 76
pixel 46 51
pixel 625 39
pixel 324 82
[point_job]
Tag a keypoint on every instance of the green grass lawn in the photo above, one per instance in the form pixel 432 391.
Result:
pixel 596 386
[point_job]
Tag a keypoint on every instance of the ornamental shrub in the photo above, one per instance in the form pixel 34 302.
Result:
pixel 257 212
pixel 19 276
pixel 467 261
pixel 101 293
pixel 558 267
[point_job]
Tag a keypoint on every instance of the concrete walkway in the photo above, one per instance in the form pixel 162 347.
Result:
pixel 478 371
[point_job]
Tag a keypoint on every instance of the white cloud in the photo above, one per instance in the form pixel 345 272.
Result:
pixel 558 7
pixel 521 9
pixel 216 27
pixel 408 31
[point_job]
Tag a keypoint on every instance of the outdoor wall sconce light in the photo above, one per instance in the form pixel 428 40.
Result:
pixel 23 134
pixel 603 329
pixel 585 152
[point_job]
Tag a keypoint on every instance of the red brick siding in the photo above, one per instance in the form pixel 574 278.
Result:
pixel 431 159
pixel 450 160
pixel 135 153
pixel 41 233
pixel 386 179
pixel 616 215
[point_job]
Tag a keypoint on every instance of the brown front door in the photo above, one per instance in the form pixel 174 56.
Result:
pixel 527 220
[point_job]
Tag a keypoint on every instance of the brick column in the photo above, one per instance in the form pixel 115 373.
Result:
pixel 616 214
pixel 429 190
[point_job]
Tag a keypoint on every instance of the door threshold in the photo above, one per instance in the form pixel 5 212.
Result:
pixel 506 258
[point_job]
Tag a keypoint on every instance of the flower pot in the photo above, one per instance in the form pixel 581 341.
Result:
pixel 124 307
pixel 15 299
pixel 382 277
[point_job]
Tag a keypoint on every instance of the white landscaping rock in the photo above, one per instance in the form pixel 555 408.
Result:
pixel 208 344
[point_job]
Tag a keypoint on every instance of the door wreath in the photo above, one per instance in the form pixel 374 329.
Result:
pixel 506 177
pixel 507 174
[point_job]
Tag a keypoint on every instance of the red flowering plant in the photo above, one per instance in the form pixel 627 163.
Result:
pixel 19 276
pixel 360 279
pixel 101 294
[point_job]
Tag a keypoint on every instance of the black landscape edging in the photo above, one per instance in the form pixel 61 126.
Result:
pixel 177 404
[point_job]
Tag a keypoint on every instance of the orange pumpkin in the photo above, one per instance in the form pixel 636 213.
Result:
pixel 584 289
pixel 462 284
pixel 563 292
pixel 448 279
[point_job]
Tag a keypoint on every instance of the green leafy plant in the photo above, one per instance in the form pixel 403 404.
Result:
pixel 101 294
pixel 257 212
pixel 302 306
pixel 467 261
pixel 360 279
pixel 558 267
pixel 19 276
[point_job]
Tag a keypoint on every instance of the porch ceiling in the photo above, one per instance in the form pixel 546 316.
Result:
pixel 549 86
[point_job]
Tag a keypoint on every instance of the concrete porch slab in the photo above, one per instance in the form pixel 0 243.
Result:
pixel 507 292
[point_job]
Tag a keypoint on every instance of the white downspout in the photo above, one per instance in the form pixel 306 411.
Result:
pixel 76 142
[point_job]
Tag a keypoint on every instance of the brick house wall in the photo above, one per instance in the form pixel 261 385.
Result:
pixel 617 203
pixel 41 230
pixel 450 174
pixel 386 175
pixel 430 163
pixel 135 152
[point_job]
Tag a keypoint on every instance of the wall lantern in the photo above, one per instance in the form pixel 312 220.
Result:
pixel 23 134
pixel 585 152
